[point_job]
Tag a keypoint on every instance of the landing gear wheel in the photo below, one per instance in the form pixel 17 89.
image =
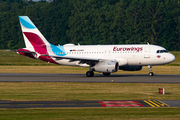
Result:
pixel 151 74
pixel 106 74
pixel 89 73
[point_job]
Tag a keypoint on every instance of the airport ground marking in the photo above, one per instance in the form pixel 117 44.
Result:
pixel 149 103
pixel 120 104
pixel 154 103
pixel 163 103
pixel 159 103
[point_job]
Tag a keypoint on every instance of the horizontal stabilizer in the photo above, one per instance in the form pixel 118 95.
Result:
pixel 22 50
pixel 26 51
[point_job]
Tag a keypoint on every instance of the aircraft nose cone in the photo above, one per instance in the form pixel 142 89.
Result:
pixel 171 58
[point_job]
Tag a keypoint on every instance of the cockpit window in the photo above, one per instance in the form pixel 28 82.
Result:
pixel 165 51
pixel 162 51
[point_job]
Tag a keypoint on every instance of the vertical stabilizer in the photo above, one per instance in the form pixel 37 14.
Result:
pixel 33 38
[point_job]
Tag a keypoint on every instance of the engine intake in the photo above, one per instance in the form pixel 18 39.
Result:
pixel 106 67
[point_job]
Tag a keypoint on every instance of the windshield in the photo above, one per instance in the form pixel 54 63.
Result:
pixel 162 51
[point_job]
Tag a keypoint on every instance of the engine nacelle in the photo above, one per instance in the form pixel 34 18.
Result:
pixel 106 67
pixel 130 68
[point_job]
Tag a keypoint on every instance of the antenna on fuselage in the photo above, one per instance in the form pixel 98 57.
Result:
pixel 78 44
pixel 148 43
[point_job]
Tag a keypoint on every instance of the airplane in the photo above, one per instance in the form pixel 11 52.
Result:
pixel 100 58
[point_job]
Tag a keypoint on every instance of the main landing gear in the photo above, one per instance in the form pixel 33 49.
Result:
pixel 91 73
pixel 150 73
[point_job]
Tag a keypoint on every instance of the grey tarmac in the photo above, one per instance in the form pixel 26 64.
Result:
pixel 65 104
pixel 116 78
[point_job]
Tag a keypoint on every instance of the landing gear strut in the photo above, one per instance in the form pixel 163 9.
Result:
pixel 89 73
pixel 150 73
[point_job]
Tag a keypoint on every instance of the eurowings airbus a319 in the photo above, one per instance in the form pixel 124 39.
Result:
pixel 100 58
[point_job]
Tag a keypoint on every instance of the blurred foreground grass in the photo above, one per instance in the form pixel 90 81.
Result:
pixel 60 91
pixel 91 114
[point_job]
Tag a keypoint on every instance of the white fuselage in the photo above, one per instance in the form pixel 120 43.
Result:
pixel 131 55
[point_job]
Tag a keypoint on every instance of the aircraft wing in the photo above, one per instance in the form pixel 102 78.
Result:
pixel 90 61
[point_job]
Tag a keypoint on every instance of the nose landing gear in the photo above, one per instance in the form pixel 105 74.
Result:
pixel 150 73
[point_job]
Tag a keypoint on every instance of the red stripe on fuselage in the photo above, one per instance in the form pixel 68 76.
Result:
pixel 39 46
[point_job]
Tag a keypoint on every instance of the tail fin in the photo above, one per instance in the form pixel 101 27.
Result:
pixel 33 38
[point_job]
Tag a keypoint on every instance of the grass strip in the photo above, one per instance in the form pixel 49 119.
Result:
pixel 91 114
pixel 55 91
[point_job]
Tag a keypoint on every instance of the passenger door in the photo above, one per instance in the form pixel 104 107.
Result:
pixel 147 52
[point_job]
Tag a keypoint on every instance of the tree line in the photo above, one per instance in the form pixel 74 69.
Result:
pixel 94 22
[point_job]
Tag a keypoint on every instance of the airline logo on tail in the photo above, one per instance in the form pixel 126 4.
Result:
pixel 26 22
pixel 36 44
pixel 35 41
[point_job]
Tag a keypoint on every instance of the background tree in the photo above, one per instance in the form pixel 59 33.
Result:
pixel 94 22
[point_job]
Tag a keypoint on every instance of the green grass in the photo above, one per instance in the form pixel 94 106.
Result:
pixel 52 91
pixel 91 114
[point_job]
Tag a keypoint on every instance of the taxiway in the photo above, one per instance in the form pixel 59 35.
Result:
pixel 116 78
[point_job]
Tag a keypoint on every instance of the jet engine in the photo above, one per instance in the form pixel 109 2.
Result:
pixel 130 68
pixel 106 67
